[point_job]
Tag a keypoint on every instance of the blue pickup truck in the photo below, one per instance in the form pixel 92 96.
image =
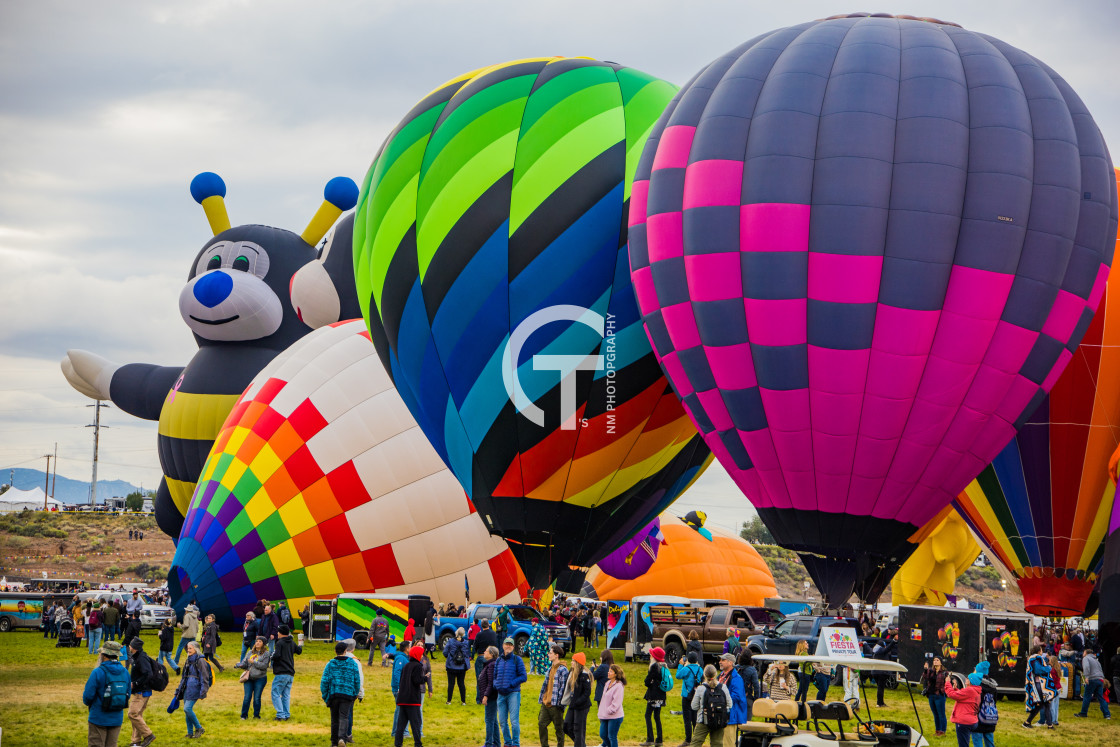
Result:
pixel 520 625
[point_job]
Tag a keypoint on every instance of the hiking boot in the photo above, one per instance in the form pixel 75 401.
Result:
pixel 1028 725
pixel 148 740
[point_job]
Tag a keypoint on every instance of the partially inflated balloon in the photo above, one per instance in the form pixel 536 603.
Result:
pixel 691 565
pixel 490 262
pixel 945 550
pixel 1043 506
pixel 321 483
pixel 864 248
pixel 636 555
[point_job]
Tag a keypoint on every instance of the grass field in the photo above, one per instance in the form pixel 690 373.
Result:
pixel 41 686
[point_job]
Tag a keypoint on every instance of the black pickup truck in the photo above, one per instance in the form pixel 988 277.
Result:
pixel 785 635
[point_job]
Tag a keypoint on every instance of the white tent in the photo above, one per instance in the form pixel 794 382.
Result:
pixel 15 499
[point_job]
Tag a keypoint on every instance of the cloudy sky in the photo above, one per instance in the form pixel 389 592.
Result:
pixel 108 109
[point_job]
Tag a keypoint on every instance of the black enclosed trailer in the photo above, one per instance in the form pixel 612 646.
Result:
pixel 963 638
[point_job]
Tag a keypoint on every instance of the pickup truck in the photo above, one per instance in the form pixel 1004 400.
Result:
pixel 672 625
pixel 520 625
pixel 784 637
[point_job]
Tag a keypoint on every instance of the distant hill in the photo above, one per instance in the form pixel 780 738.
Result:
pixel 69 490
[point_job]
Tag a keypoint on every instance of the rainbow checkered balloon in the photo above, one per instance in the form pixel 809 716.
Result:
pixel 319 483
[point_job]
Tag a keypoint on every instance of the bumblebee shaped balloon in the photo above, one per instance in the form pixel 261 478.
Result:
pixel 236 304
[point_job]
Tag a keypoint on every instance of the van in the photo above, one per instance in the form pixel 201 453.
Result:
pixel 20 609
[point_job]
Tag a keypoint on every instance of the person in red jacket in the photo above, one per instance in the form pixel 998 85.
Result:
pixel 966 712
pixel 410 631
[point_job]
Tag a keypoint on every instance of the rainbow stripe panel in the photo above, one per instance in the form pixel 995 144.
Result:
pixel 1043 506
pixel 501 195
pixel 321 483
pixel 358 614
pixel 864 248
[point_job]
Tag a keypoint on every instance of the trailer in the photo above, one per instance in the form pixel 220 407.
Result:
pixel 963 638
pixel 350 615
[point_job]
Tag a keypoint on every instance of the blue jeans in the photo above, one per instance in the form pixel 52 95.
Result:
pixel 1054 710
pixel 509 706
pixel 397 716
pixel 182 645
pixel 608 731
pixel 166 656
pixel 937 705
pixel 244 647
pixel 987 740
pixel 192 720
pixel 282 695
pixel 111 632
pixel 490 716
pixel 822 681
pixel 964 734
pixel 253 690
pixel 94 640
pixel 1094 690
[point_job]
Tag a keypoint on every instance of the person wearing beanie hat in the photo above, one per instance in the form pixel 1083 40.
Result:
pixel 966 710
pixel 284 672
pixel 689 674
pixel 654 696
pixel 339 687
pixel 105 726
pixel 256 664
pixel 509 674
pixel 579 700
pixel 378 637
pixel 410 698
pixel 142 674
pixel 483 641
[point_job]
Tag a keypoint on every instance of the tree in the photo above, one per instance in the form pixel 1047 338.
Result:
pixel 134 501
pixel 755 531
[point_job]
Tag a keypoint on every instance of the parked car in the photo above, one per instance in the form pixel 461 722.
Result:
pixel 783 638
pixel 521 618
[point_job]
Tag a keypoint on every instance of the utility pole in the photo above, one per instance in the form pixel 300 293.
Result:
pixel 96 425
pixel 46 481
pixel 54 480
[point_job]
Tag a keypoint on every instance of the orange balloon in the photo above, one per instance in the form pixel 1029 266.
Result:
pixel 689 565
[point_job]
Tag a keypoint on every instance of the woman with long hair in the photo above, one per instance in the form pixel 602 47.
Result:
pixel 933 687
pixel 1056 686
pixel 610 707
pixel 804 672
pixel 193 687
pixel 579 700
pixel 457 660
pixel 210 642
pixel 779 682
pixel 255 664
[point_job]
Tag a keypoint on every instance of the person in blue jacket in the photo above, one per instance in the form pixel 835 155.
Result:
pixel 457 656
pixel 509 674
pixel 689 674
pixel 105 725
pixel 730 677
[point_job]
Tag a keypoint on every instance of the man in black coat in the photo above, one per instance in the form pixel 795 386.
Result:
pixel 269 627
pixel 142 676
pixel 283 671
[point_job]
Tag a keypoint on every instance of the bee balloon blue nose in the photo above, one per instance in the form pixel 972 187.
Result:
pixel 213 288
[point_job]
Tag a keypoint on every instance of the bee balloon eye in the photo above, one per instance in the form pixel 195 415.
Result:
pixel 241 263
pixel 214 263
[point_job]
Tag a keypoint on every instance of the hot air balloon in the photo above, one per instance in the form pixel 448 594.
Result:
pixel 945 550
pixel 1108 614
pixel 864 248
pixel 691 565
pixel 490 263
pixel 1043 505
pixel 636 555
pixel 321 483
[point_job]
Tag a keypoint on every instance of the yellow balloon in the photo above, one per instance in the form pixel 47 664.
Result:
pixel 946 549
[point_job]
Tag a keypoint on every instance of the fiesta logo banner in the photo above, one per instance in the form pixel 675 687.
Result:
pixel 565 365
pixel 840 642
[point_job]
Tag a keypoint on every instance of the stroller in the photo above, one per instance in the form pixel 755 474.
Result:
pixel 66 637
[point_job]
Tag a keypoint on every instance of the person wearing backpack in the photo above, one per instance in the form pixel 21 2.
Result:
pixel 732 644
pixel 93 628
pixel 656 692
pixel 711 701
pixel 143 682
pixel 690 675
pixel 106 695
pixel 734 681
pixel 457 659
pixel 210 642
pixel 378 637
pixel 987 716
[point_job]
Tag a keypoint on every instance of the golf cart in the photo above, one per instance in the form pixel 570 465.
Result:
pixel 818 724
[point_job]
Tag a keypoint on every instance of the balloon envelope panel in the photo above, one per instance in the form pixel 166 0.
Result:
pixel 321 483
pixel 863 249
pixel 1043 505
pixel 945 549
pixel 490 235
